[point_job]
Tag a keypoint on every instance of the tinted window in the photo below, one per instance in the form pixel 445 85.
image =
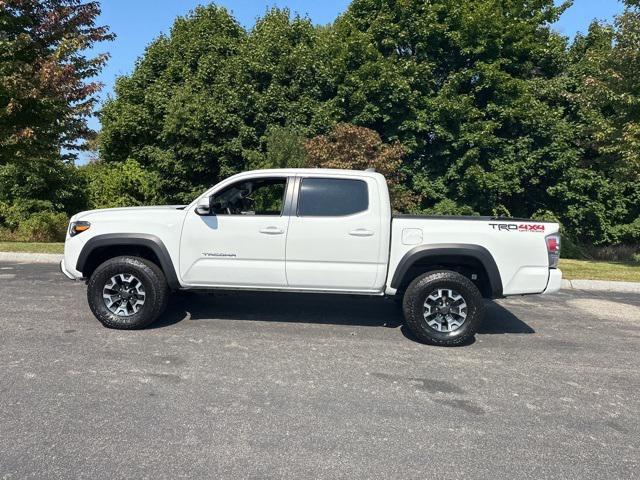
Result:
pixel 264 196
pixel 324 197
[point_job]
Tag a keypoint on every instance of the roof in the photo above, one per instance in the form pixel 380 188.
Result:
pixel 314 171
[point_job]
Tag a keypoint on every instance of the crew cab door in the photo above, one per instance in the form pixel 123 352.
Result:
pixel 335 234
pixel 242 242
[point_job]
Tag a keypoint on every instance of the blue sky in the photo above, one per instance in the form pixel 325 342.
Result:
pixel 137 22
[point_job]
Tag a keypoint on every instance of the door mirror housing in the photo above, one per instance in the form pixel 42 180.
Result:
pixel 203 207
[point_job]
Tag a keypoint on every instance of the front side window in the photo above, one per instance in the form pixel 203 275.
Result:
pixel 332 197
pixel 260 196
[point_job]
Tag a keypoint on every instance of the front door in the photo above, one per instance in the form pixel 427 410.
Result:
pixel 242 243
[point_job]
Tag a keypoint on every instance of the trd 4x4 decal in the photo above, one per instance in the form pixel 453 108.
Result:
pixel 515 227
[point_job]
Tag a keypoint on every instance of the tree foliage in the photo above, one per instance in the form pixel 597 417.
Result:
pixel 204 101
pixel 283 149
pixel 124 184
pixel 599 195
pixel 462 85
pixel 351 147
pixel 46 94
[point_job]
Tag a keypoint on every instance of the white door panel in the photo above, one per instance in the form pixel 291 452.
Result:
pixel 243 243
pixel 335 252
pixel 322 252
pixel 233 250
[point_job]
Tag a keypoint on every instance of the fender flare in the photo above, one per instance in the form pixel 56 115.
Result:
pixel 451 251
pixel 139 239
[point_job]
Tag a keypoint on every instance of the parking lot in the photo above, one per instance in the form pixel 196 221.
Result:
pixel 300 386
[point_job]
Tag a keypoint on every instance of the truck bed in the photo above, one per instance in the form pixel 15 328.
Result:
pixel 516 245
pixel 467 218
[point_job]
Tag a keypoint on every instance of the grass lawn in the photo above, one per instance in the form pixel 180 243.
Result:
pixel 592 270
pixel 31 247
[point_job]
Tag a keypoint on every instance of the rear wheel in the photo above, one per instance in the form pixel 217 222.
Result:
pixel 443 308
pixel 127 292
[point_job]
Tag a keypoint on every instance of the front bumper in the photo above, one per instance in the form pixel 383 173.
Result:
pixel 64 270
pixel 555 281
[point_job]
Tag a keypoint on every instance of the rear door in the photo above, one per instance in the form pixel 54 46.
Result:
pixel 334 235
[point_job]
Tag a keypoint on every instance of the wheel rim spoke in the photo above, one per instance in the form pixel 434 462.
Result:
pixel 445 310
pixel 124 294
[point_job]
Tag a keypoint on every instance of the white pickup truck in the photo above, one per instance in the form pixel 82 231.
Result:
pixel 309 230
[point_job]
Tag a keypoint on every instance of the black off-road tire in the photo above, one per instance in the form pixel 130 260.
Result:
pixel 416 295
pixel 155 287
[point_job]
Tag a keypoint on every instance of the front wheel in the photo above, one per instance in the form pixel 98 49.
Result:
pixel 127 292
pixel 443 308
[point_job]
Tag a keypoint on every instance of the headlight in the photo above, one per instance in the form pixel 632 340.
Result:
pixel 78 227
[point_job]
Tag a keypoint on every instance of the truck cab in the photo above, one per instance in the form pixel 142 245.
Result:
pixel 305 230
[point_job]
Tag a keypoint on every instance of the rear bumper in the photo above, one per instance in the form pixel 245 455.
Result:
pixel 66 272
pixel 555 281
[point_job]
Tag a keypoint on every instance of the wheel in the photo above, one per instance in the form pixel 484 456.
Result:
pixel 127 292
pixel 443 308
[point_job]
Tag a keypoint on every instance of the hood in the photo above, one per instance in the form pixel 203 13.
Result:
pixel 126 210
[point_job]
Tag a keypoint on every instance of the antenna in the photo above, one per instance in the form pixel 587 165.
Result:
pixel 370 169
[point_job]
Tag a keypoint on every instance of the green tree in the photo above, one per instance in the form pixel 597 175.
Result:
pixel 45 98
pixel 179 114
pixel 467 87
pixel 45 95
pixel 205 101
pixel 599 196
pixel 283 149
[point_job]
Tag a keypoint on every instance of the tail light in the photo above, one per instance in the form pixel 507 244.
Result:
pixel 553 249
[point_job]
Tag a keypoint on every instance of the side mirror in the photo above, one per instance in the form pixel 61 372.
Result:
pixel 204 206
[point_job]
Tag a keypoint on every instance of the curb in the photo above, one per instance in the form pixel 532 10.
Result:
pixel 30 257
pixel 601 286
pixel 585 285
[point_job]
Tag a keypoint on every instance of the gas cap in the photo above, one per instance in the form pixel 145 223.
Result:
pixel 411 236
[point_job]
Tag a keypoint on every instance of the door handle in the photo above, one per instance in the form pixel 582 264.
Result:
pixel 361 232
pixel 272 230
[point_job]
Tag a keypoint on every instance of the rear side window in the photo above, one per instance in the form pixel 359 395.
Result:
pixel 332 197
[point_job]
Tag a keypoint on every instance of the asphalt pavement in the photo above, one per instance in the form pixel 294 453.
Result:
pixel 248 385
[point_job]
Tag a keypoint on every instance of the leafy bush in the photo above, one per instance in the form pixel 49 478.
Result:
pixel 570 249
pixel 25 222
pixel 121 185
pixel 43 226
pixel 7 235
pixel 628 233
pixel 546 216
pixel 449 207
pixel 43 185
pixel 31 221
pixel 13 214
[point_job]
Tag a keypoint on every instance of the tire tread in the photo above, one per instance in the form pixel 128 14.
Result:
pixel 414 299
pixel 143 267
